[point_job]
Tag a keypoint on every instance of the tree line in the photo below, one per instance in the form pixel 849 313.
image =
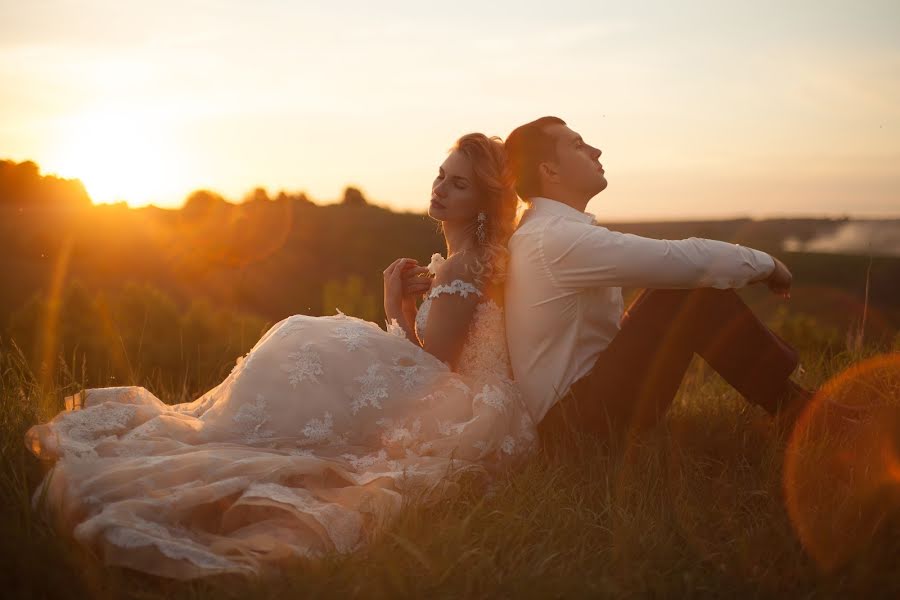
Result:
pixel 185 291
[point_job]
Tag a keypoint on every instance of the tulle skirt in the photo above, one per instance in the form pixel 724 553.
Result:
pixel 309 446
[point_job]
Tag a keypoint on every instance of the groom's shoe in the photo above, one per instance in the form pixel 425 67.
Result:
pixel 797 399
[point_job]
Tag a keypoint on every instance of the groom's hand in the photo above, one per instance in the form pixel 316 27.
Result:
pixel 779 280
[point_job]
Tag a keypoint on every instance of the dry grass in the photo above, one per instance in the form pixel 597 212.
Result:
pixel 695 508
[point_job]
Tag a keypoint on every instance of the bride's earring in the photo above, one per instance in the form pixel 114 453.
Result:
pixel 480 233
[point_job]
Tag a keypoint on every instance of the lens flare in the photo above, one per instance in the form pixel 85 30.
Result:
pixel 49 335
pixel 842 464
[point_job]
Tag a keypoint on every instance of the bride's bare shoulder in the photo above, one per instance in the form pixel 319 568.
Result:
pixel 466 267
pixel 461 265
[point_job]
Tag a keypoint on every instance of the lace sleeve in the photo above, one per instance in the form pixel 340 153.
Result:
pixel 457 286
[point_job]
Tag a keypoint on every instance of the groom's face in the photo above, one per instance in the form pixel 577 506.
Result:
pixel 577 166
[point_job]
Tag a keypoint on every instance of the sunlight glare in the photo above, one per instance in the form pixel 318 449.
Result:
pixel 119 156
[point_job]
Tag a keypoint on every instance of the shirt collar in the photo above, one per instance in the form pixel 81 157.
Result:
pixel 546 206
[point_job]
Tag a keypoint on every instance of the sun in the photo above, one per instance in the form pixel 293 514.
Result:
pixel 120 156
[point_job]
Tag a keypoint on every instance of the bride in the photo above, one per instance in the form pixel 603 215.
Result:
pixel 321 431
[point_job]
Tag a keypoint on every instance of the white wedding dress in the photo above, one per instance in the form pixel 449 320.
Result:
pixel 312 441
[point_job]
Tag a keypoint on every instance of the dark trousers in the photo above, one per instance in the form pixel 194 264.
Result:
pixel 636 377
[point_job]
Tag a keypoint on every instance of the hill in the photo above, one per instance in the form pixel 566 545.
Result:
pixel 207 278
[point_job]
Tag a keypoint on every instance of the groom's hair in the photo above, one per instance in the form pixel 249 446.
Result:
pixel 526 148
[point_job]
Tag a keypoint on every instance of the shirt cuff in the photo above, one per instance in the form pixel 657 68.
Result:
pixel 765 261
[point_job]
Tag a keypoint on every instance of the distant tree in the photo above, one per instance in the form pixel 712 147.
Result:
pixel 353 197
pixel 18 182
pixel 258 194
pixel 299 197
pixel 22 184
pixel 203 204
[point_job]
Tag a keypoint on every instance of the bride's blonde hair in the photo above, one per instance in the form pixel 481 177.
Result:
pixel 494 181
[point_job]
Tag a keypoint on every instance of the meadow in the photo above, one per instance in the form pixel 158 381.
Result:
pixel 698 507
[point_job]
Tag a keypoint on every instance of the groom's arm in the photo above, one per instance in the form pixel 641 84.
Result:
pixel 581 255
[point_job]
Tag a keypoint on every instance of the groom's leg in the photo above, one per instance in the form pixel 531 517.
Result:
pixel 630 372
pixel 720 327
pixel 635 379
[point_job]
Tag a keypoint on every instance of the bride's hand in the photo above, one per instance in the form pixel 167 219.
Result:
pixel 395 278
pixel 414 285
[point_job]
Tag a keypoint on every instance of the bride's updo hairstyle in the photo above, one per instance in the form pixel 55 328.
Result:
pixel 494 182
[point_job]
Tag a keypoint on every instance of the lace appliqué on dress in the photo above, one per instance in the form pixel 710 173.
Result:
pixel 353 335
pixel 367 460
pixel 410 374
pixel 457 286
pixel 398 434
pixel 290 325
pixel 82 429
pixel 319 430
pixel 493 397
pixel 485 350
pixel 508 445
pixel 306 365
pixel 373 387
pixel 250 419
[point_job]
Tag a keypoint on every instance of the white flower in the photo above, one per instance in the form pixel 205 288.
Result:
pixel 436 261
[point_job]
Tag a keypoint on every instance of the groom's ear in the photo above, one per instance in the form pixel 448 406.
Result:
pixel 548 172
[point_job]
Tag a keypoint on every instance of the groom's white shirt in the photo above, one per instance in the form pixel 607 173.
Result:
pixel 563 294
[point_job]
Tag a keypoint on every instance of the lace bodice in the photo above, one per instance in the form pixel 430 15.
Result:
pixel 484 352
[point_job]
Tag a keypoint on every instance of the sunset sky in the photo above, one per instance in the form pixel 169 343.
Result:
pixel 701 110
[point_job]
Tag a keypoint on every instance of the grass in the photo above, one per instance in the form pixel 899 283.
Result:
pixel 695 508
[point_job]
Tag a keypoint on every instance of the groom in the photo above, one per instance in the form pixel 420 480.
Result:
pixel 583 362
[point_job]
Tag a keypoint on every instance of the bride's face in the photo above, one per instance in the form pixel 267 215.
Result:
pixel 454 196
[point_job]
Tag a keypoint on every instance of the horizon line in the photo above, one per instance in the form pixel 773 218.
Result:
pixel 679 219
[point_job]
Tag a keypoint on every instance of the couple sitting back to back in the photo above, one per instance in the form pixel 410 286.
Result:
pixel 328 423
